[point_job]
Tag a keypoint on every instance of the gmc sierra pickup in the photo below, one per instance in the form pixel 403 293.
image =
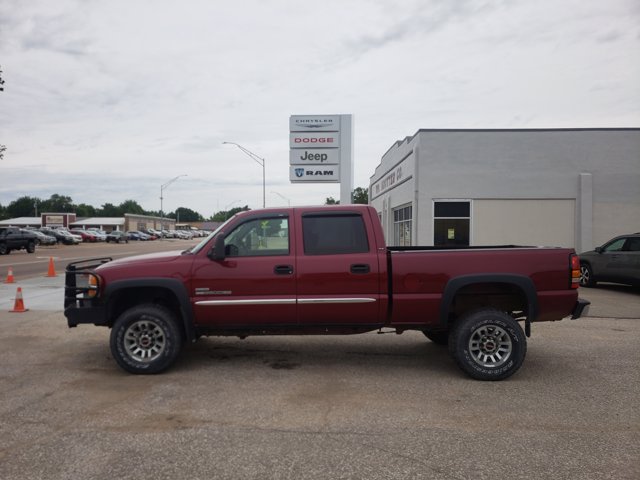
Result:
pixel 324 270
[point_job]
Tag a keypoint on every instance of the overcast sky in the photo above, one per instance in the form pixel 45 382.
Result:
pixel 107 100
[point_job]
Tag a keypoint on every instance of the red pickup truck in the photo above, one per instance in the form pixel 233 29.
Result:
pixel 324 270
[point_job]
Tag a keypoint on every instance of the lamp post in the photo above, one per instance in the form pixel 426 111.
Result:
pixel 162 187
pixel 282 197
pixel 260 161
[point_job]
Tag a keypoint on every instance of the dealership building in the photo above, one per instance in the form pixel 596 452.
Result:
pixel 128 222
pixel 561 187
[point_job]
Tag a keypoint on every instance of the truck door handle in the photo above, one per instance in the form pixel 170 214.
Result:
pixel 360 268
pixel 283 269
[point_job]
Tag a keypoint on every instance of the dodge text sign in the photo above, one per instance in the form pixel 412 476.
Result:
pixel 314 140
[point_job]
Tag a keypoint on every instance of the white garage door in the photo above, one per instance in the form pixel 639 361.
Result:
pixel 524 222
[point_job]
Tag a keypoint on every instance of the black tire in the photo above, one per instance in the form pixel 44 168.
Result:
pixel 488 344
pixel 31 247
pixel 439 338
pixel 146 339
pixel 586 275
pixel 3 249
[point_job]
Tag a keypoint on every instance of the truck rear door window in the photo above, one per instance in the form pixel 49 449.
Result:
pixel 334 234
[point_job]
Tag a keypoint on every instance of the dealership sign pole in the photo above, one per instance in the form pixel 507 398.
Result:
pixel 321 151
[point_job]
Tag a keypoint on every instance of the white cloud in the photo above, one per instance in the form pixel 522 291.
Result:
pixel 106 101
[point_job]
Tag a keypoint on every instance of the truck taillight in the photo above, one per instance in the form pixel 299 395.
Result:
pixel 575 271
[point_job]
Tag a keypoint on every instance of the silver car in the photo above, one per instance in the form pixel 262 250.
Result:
pixel 616 261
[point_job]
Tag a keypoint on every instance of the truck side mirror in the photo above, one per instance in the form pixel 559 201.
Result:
pixel 218 253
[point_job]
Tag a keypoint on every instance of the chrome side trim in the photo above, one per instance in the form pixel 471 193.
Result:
pixel 285 301
pixel 335 300
pixel 276 301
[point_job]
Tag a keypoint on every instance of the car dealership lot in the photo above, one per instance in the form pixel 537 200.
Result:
pixel 363 406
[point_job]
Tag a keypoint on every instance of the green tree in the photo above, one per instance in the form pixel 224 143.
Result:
pixel 84 210
pixel 131 206
pixel 58 204
pixel 186 215
pixel 23 207
pixel 109 210
pixel 222 215
pixel 360 195
pixel 3 212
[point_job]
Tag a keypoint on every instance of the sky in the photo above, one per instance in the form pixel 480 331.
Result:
pixel 106 101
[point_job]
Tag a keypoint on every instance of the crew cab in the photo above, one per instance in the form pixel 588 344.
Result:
pixel 324 270
pixel 13 238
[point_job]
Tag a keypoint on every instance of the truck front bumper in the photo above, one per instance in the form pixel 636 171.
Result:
pixel 96 315
pixel 581 308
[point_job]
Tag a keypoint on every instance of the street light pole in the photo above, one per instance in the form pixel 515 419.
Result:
pixel 162 187
pixel 260 161
pixel 282 197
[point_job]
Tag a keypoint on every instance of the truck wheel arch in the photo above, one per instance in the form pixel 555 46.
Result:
pixel 173 289
pixel 522 283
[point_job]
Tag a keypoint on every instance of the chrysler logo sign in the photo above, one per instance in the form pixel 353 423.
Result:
pixel 314 123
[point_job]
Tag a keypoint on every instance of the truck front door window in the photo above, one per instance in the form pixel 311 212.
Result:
pixel 259 237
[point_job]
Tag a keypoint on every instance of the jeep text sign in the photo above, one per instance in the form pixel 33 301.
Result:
pixel 313 156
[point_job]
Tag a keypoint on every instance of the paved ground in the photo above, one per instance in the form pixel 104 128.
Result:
pixel 363 407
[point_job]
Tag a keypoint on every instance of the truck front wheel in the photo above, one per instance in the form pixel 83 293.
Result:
pixel 145 339
pixel 31 247
pixel 488 344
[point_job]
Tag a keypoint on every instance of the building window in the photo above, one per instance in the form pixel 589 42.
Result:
pixel 402 224
pixel 451 223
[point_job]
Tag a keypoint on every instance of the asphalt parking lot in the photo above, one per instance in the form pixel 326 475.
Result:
pixel 363 407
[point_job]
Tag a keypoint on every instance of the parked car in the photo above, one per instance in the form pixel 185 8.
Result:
pixel 14 238
pixel 150 233
pixel 61 236
pixel 137 236
pixel 117 236
pixel 42 238
pixel 86 235
pixel 616 261
pixel 100 235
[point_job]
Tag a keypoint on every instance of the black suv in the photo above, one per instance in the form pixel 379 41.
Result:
pixel 616 261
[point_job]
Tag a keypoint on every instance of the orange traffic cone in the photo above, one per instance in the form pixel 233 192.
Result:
pixel 10 278
pixel 18 307
pixel 52 269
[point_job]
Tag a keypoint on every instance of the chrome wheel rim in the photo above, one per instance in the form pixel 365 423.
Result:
pixel 144 341
pixel 490 346
pixel 584 275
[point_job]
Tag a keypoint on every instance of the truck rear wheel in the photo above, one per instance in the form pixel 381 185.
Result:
pixel 146 339
pixel 488 344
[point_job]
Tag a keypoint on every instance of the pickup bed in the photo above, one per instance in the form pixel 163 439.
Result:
pixel 324 270
pixel 13 238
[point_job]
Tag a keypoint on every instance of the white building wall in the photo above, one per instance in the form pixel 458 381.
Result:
pixel 593 173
